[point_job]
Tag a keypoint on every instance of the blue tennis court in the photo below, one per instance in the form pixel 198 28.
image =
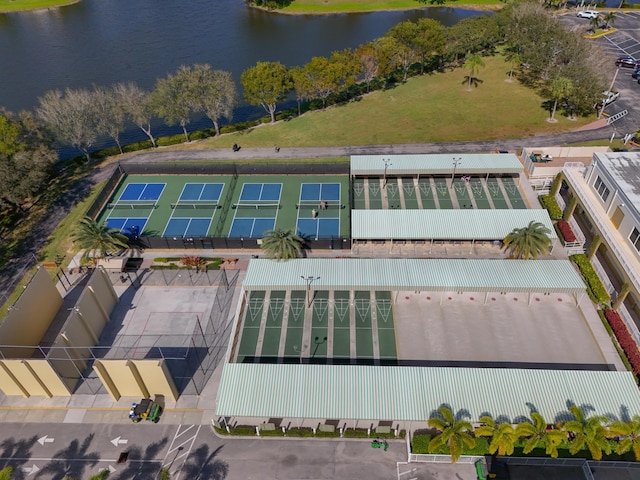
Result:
pixel 187 227
pixel 320 191
pixel 128 226
pixel 142 191
pixel 319 227
pixel 196 192
pixel 251 227
pixel 260 192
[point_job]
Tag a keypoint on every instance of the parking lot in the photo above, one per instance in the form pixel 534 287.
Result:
pixel 624 41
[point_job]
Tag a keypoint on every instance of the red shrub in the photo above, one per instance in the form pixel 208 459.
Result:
pixel 566 231
pixel 624 339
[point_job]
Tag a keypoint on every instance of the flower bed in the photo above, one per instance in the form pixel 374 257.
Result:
pixel 596 289
pixel 566 231
pixel 551 204
pixel 625 339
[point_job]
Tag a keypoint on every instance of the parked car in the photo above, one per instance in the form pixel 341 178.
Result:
pixel 636 74
pixel 588 14
pixel 627 61
pixel 607 98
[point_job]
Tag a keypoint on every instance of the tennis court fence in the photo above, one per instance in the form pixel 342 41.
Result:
pixel 222 168
pixel 225 243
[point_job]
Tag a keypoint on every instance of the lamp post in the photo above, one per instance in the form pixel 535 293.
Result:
pixel 456 162
pixel 309 279
pixel 387 164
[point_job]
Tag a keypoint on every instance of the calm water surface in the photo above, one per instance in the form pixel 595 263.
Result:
pixel 107 41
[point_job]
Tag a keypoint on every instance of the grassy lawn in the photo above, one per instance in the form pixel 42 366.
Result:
pixel 342 6
pixel 432 108
pixel 19 5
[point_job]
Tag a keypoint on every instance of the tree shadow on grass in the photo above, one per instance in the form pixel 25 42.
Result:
pixel 475 82
pixel 202 465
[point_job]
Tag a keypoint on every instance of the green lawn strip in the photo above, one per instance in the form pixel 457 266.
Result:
pixel 430 108
pixel 359 201
pixel 409 192
pixel 442 190
pixel 344 6
pixel 22 5
pixel 479 194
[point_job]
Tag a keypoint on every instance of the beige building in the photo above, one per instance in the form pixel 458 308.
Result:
pixel 607 212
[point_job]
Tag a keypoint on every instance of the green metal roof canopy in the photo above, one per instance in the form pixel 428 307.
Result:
pixel 435 275
pixel 441 164
pixel 449 224
pixel 412 393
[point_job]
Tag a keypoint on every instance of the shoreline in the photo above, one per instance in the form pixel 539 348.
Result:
pixel 38 9
pixel 476 7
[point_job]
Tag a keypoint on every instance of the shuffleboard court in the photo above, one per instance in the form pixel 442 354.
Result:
pixel 359 194
pixel 427 194
pixel 479 193
pixel 409 193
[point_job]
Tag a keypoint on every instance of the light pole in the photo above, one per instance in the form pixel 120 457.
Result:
pixel 387 164
pixel 309 279
pixel 456 162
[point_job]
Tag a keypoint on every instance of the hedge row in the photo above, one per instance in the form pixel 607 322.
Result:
pixel 306 432
pixel 551 204
pixel 625 339
pixel 420 444
pixel 566 231
pixel 595 289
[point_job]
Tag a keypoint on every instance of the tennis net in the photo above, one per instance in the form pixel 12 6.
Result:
pixel 196 206
pixel 329 205
pixel 256 206
pixel 132 205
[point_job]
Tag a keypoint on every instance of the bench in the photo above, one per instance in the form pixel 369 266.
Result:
pixel 383 429
pixel 327 428
pixel 268 426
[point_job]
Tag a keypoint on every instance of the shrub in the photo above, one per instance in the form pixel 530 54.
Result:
pixel 300 432
pixel 420 443
pixel 624 338
pixel 272 433
pixel 551 204
pixel 171 266
pixel 193 261
pixel 616 344
pixel 566 231
pixel 357 433
pixel 595 288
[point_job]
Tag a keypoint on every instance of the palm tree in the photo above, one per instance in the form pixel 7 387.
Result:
pixel 96 240
pixel 503 435
pixel 587 432
pixel 537 433
pixel 6 473
pixel 454 433
pixel 472 62
pixel 282 244
pixel 102 475
pixel 560 88
pixel 528 242
pixel 514 59
pixel 609 19
pixel 630 433
pixel 594 22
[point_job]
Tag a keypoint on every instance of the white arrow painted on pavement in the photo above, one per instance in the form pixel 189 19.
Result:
pixel 45 439
pixel 111 469
pixel 30 470
pixel 119 441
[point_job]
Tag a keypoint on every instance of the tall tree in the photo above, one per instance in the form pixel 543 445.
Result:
pixel 171 100
pixel 282 244
pixel 326 76
pixel 454 433
pixel 110 114
pixel 560 88
pixel 71 116
pixel 430 40
pixel 302 86
pixel 630 436
pixel 528 242
pixel 368 58
pixel 25 158
pixel 587 432
pixel 609 19
pixel 137 105
pixel 473 62
pixel 537 433
pixel 406 36
pixel 513 57
pixel 503 435
pixel 266 84
pixel 211 92
pixel 97 240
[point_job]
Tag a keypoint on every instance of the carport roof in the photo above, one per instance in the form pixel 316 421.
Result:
pixel 445 224
pixel 439 164
pixel 413 393
pixel 441 275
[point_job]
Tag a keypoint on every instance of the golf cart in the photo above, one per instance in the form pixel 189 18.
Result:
pixel 146 409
